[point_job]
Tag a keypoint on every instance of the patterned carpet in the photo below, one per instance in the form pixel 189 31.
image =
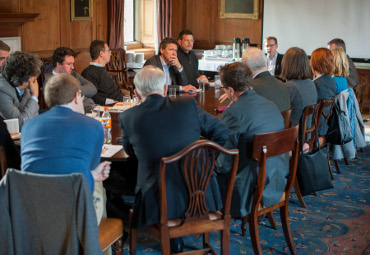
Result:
pixel 335 222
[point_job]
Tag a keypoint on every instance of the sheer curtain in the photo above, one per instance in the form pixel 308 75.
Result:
pixel 164 17
pixel 116 23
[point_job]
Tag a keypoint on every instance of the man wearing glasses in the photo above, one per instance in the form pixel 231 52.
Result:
pixel 188 59
pixel 273 57
pixel 108 91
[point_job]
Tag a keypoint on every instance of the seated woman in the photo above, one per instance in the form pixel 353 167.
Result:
pixel 296 70
pixel 19 89
pixel 341 69
pixel 322 65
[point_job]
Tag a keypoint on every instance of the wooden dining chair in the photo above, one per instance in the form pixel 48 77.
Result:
pixel 3 162
pixel 199 162
pixel 265 146
pixel 118 67
pixel 324 104
pixel 287 115
pixel 82 60
pixel 111 234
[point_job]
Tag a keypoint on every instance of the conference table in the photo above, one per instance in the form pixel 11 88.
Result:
pixel 208 100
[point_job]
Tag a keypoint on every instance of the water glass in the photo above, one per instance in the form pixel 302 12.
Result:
pixel 172 92
pixel 217 82
pixel 202 86
pixel 96 112
pixel 126 102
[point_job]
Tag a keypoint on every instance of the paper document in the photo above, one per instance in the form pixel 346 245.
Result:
pixel 109 150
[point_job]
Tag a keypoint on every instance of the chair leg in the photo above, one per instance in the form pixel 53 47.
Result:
pixel 272 221
pixel 327 156
pixel 299 194
pixel 225 237
pixel 337 166
pixel 346 162
pixel 118 245
pixel 253 230
pixel 284 215
pixel 244 225
pixel 132 244
pixel 362 150
pixel 206 240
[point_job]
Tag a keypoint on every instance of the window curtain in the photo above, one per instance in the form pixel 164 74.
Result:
pixel 116 23
pixel 164 10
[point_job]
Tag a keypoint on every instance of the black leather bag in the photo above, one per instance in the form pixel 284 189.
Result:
pixel 313 168
pixel 339 131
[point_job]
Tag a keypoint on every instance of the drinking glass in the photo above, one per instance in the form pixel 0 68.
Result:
pixel 126 102
pixel 96 112
pixel 173 92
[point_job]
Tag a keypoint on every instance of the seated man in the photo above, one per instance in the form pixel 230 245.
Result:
pixel 13 158
pixel 273 57
pixel 63 140
pixel 168 62
pixel 188 59
pixel 250 114
pixel 264 84
pixel 108 91
pixel 4 53
pixel 63 59
pixel 161 127
pixel 19 90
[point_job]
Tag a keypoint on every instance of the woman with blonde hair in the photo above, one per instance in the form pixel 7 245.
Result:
pixel 341 69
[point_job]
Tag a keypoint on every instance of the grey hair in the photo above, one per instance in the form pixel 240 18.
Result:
pixel 254 58
pixel 148 80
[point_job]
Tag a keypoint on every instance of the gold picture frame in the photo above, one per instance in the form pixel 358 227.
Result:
pixel 81 10
pixel 239 9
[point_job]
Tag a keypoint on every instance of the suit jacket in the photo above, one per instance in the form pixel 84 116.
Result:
pixel 14 107
pixel 12 152
pixel 47 215
pixel 326 90
pixel 251 114
pixel 264 84
pixel 161 127
pixel 178 78
pixel 353 75
pixel 61 141
pixel 279 58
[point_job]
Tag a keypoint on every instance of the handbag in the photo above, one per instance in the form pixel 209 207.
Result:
pixel 339 131
pixel 313 168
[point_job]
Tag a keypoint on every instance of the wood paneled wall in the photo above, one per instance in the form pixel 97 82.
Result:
pixel 53 27
pixel 203 19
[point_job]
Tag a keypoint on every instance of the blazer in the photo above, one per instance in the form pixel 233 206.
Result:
pixel 43 214
pixel 12 152
pixel 326 90
pixel 178 78
pixel 249 115
pixel 279 58
pixel 13 106
pixel 161 127
pixel 264 84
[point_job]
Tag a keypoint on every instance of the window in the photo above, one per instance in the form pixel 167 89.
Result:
pixel 129 24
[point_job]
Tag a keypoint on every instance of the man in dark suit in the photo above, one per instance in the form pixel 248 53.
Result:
pixel 161 127
pixel 352 79
pixel 273 57
pixel 264 84
pixel 168 62
pixel 250 114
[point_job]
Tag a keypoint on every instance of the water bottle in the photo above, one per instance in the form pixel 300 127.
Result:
pixel 236 48
pixel 106 121
pixel 245 44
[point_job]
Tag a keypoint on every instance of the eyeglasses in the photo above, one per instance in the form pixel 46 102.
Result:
pixel 222 87
pixel 269 46
pixel 107 50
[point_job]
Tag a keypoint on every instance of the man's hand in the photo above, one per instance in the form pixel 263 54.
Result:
pixel 188 88
pixel 34 88
pixel 101 172
pixel 203 78
pixel 223 98
pixel 174 61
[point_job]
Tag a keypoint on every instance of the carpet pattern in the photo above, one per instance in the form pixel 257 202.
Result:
pixel 336 221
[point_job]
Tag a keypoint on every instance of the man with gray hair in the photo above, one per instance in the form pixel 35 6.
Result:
pixel 161 127
pixel 264 83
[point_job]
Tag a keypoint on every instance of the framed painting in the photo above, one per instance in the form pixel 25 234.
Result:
pixel 239 9
pixel 81 10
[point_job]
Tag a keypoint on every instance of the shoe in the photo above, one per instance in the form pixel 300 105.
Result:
pixel 177 245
